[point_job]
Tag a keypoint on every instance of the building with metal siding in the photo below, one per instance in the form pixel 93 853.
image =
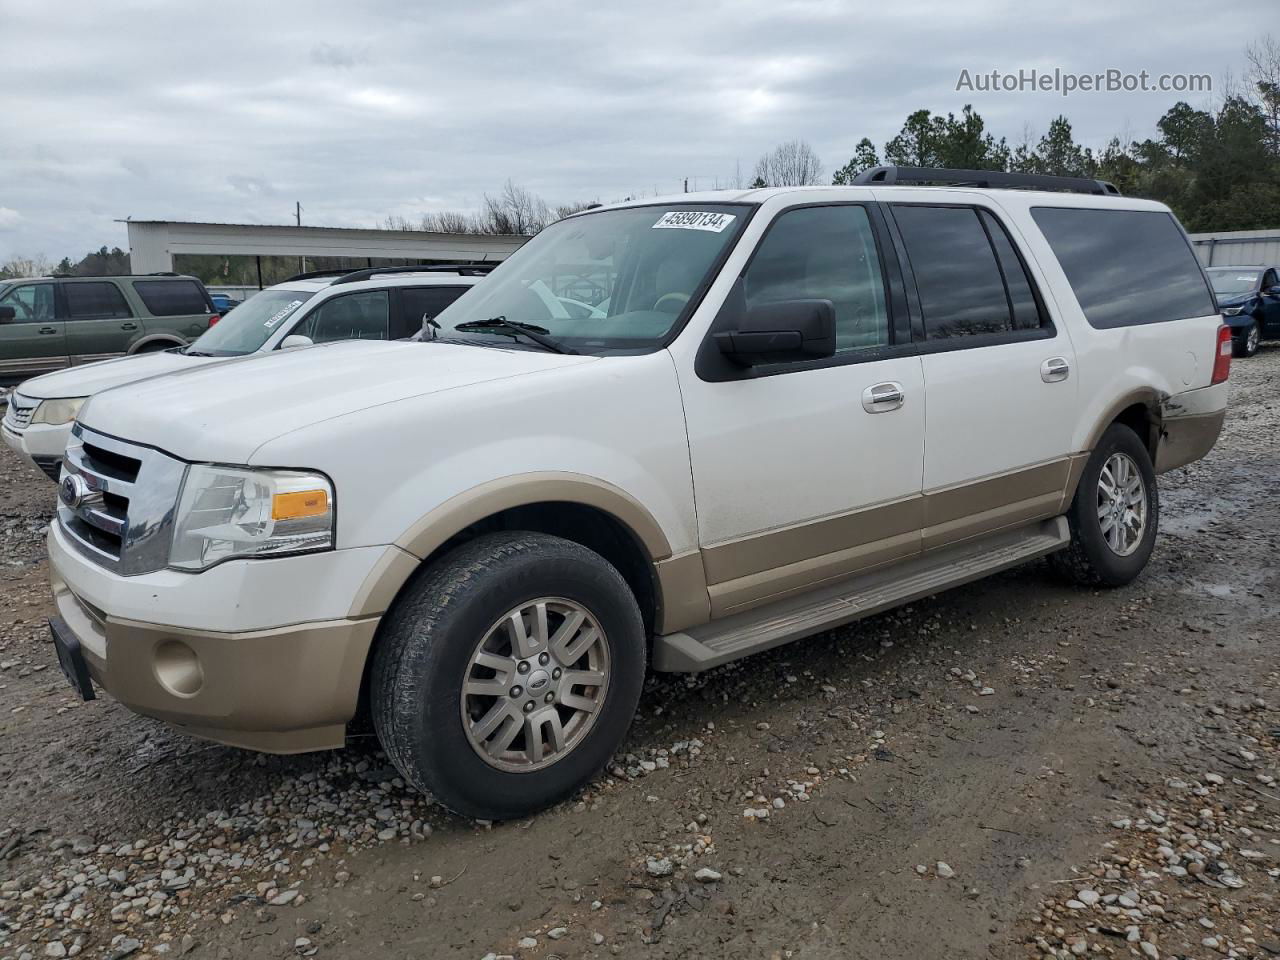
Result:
pixel 1238 248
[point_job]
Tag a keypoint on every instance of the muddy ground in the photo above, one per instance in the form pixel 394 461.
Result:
pixel 1018 768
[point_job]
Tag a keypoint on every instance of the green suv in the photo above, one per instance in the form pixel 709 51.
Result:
pixel 47 323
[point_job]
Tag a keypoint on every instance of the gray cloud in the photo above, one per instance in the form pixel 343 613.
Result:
pixel 408 107
pixel 335 55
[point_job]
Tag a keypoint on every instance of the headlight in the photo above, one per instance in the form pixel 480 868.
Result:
pixel 58 412
pixel 1232 311
pixel 228 512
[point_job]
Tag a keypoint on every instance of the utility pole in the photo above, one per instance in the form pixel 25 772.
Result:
pixel 297 216
pixel 686 184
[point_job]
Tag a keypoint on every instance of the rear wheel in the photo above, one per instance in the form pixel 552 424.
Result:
pixel 1246 345
pixel 508 674
pixel 1115 513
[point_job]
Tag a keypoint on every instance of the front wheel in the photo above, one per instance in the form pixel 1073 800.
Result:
pixel 1246 345
pixel 507 675
pixel 1114 515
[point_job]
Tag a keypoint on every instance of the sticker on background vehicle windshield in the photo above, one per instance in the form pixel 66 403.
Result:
pixel 283 312
pixel 694 220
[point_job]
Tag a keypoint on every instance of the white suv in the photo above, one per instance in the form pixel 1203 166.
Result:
pixel 670 433
pixel 386 303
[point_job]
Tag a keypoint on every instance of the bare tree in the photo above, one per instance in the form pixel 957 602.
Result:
pixel 448 221
pixel 513 212
pixel 1264 81
pixel 790 164
pixel 19 266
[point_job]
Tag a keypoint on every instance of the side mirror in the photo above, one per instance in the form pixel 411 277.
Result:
pixel 781 332
pixel 296 340
pixel 7 314
pixel 1270 292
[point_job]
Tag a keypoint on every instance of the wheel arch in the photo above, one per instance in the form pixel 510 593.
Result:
pixel 155 341
pixel 1140 410
pixel 670 589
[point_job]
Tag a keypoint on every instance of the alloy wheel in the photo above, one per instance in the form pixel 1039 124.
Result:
pixel 535 684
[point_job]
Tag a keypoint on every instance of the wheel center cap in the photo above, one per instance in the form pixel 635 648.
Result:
pixel 538 681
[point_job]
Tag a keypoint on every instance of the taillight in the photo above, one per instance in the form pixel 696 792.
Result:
pixel 1222 359
pixel 214 319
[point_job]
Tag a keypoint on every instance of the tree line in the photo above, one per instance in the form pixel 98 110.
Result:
pixel 1217 168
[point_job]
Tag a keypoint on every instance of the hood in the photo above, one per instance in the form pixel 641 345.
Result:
pixel 225 411
pixel 86 380
pixel 1234 299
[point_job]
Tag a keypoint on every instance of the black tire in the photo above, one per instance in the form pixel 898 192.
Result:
pixel 1246 345
pixel 425 646
pixel 1090 560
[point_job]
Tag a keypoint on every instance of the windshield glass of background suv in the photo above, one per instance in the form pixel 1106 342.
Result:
pixel 247 327
pixel 616 281
pixel 1232 283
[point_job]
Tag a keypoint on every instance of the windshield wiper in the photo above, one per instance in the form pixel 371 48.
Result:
pixel 187 351
pixel 535 333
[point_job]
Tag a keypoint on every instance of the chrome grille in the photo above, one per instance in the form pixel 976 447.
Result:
pixel 116 501
pixel 18 416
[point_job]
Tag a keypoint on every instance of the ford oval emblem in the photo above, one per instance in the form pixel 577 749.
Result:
pixel 72 491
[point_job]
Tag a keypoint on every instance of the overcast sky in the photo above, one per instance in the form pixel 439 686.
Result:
pixel 231 111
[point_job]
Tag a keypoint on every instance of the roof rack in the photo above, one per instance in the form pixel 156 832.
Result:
pixel 464 269
pixel 314 274
pixel 998 179
pixel 115 276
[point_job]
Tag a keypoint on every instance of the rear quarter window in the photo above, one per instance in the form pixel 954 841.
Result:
pixel 1126 267
pixel 172 298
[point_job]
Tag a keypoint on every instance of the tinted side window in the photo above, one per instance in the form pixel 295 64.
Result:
pixel 32 303
pixel 356 316
pixel 172 298
pixel 94 301
pixel 957 277
pixel 1126 267
pixel 825 253
pixel 419 302
pixel 1022 301
pixel 1269 280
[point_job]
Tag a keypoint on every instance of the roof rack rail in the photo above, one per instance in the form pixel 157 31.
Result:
pixel 314 274
pixel 997 179
pixel 476 269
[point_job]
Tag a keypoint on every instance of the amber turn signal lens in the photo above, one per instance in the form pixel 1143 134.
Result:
pixel 307 503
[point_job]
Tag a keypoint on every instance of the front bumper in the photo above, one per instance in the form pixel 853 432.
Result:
pixel 41 443
pixel 285 688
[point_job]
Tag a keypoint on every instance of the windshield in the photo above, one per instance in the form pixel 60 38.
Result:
pixel 1228 283
pixel 247 327
pixel 616 281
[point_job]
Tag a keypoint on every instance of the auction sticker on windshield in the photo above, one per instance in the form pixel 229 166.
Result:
pixel 694 220
pixel 283 312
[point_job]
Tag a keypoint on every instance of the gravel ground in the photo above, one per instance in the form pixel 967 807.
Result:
pixel 1015 769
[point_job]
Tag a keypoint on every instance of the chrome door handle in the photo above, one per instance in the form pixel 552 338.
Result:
pixel 1055 369
pixel 48 329
pixel 883 397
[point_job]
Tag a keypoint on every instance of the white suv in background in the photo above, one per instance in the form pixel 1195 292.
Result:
pixel 668 432
pixel 389 303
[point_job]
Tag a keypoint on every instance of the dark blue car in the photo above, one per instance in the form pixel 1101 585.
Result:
pixel 1249 298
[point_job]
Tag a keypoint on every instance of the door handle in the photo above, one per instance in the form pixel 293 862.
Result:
pixel 129 326
pixel 883 397
pixel 1055 369
pixel 48 329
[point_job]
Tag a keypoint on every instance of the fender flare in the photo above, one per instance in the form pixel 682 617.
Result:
pixel 440 524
